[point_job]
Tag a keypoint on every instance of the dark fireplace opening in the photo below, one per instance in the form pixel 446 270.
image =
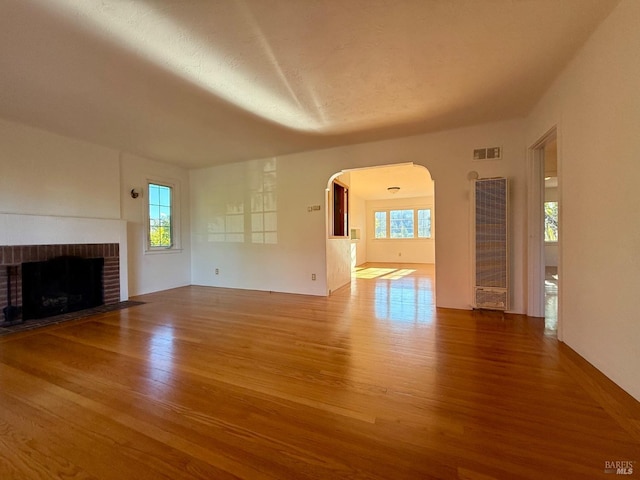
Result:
pixel 60 285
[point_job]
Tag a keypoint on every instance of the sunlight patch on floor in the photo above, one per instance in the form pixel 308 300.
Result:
pixel 384 273
pixel 398 274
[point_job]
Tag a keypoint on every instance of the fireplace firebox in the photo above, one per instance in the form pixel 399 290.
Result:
pixel 60 285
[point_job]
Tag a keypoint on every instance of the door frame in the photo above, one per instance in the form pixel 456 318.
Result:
pixel 535 227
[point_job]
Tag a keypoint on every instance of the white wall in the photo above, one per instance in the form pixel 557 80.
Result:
pixel 286 260
pixel 302 181
pixel 338 263
pixel 46 174
pixel 415 250
pixel 596 107
pixel 57 190
pixel 155 271
pixel 358 219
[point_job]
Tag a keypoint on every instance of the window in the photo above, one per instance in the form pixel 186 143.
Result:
pixel 424 223
pixel 160 231
pixel 380 224
pixel 402 223
pixel 550 221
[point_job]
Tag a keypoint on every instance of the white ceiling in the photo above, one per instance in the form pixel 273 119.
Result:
pixel 372 183
pixel 196 82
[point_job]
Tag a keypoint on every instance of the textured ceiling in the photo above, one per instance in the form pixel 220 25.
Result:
pixel 203 82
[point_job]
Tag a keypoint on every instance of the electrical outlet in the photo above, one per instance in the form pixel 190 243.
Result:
pixel 313 276
pixel 217 271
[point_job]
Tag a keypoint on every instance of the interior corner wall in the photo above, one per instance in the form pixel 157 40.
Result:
pixel 154 271
pixel 286 265
pixel 596 107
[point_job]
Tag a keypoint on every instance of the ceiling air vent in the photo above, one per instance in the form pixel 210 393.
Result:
pixel 491 153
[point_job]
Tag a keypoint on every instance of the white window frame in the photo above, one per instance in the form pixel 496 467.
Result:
pixel 417 224
pixel 176 245
pixel 387 211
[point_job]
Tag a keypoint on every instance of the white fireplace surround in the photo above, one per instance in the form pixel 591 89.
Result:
pixel 52 230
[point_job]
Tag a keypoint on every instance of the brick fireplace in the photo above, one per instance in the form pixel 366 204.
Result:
pixel 16 255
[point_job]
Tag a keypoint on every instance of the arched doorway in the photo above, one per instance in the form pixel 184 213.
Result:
pixel 390 217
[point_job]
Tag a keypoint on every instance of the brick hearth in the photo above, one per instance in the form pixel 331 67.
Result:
pixel 16 255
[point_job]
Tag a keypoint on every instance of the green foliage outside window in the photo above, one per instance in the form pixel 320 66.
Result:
pixel 550 221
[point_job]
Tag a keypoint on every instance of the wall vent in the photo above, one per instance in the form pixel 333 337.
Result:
pixel 491 272
pixel 490 153
pixel 491 298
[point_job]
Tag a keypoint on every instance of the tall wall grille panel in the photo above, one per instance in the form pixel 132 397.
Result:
pixel 491 244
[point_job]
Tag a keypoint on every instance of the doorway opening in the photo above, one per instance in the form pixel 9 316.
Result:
pixel 545 234
pixel 551 234
pixel 390 224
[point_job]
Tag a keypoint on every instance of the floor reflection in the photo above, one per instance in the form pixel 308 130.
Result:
pixel 161 354
pixel 403 295
pixel 551 298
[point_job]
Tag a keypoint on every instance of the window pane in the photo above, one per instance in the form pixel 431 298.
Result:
pixel 424 223
pixel 401 223
pixel 550 221
pixel 380 224
pixel 160 236
pixel 165 213
pixel 165 195
pixel 154 214
pixel 154 196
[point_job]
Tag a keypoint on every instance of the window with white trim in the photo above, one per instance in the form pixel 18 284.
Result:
pixel 162 220
pixel 401 223
pixel 380 219
pixel 424 223
pixel 160 216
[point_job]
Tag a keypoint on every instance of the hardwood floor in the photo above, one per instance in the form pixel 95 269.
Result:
pixel 373 382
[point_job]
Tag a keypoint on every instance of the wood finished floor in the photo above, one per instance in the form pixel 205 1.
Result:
pixel 373 382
